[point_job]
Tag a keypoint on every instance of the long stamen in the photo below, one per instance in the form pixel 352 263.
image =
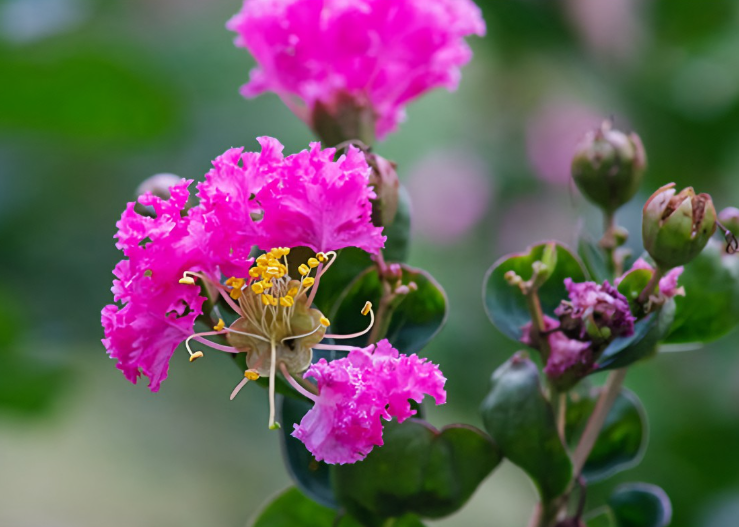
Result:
pixel 249 375
pixel 272 370
pixel 295 384
pixel 334 347
pixel 219 347
pixel 197 336
pixel 366 310
pixel 319 326
pixel 330 257
pixel 246 334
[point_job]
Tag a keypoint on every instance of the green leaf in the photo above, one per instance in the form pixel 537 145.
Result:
pixel 621 442
pixel 632 286
pixel 648 332
pixel 594 259
pixel 291 508
pixel 521 421
pixel 710 308
pixel 418 470
pixel 398 233
pixel 640 505
pixel 506 305
pixel 415 317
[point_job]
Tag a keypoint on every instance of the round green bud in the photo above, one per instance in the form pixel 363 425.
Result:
pixel 608 166
pixel 676 226
pixel 729 218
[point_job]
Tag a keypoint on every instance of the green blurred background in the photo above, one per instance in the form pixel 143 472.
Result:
pixel 97 95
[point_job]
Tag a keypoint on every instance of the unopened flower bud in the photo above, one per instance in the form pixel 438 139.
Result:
pixel 729 218
pixel 384 180
pixel 158 184
pixel 608 166
pixel 677 225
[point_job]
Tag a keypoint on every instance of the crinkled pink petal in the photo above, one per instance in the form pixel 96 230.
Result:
pixel 356 391
pixel 314 201
pixel 157 313
pixel 565 353
pixel 313 50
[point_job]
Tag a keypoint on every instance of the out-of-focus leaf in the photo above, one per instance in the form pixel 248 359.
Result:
pixel 648 332
pixel 594 259
pixel 399 232
pixel 521 422
pixel 632 286
pixel 621 442
pixel 415 317
pixel 506 305
pixel 418 470
pixel 118 103
pixel 710 307
pixel 640 505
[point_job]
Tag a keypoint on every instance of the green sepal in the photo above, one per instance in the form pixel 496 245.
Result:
pixel 419 470
pixel 521 422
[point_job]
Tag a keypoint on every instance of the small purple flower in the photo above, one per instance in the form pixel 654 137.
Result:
pixel 667 284
pixel 593 308
pixel 566 355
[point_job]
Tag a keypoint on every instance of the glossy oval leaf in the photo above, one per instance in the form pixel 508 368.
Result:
pixel 414 318
pixel 418 470
pixel 521 422
pixel 398 232
pixel 640 505
pixel 594 259
pixel 621 442
pixel 710 307
pixel 506 305
pixel 648 333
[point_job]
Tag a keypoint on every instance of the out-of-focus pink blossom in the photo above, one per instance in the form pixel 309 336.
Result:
pixel 381 52
pixel 356 391
pixel 611 28
pixel 667 284
pixel 450 192
pixel 552 136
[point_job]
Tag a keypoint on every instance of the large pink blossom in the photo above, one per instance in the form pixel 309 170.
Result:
pixel 248 198
pixel 157 312
pixel 305 199
pixel 356 391
pixel 383 52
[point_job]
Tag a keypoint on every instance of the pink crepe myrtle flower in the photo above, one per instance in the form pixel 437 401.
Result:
pixel 667 285
pixel 355 392
pixel 376 53
pixel 172 260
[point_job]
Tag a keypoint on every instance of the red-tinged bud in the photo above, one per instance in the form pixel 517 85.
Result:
pixel 676 226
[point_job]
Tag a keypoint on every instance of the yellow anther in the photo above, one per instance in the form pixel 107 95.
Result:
pixel 366 308
pixel 230 281
pixel 285 251
pixel 221 324
pixel 268 300
pixel 251 375
pixel 235 293
pixel 325 322
pixel 303 269
pixel 273 301
pixel 307 282
pixel 272 271
pixel 312 262
pixel 195 356
pixel 287 301
pixel 293 292
pixel 262 259
pixel 257 287
pixel 267 283
pixel 255 272
pixel 187 280
pixel 321 257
